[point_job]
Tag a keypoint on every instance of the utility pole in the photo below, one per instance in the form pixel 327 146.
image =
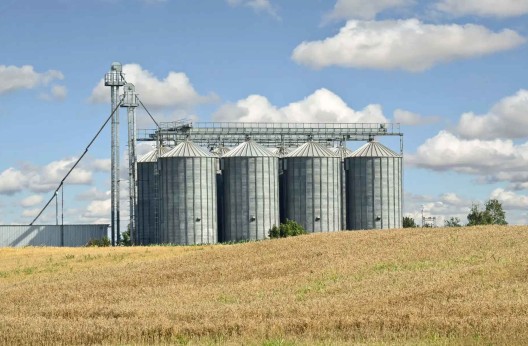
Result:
pixel 130 102
pixel 114 80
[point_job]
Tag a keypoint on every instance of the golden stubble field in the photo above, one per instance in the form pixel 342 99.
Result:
pixel 431 286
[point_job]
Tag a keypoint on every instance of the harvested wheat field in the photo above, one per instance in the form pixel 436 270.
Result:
pixel 431 286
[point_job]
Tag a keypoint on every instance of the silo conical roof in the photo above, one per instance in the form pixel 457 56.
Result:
pixel 153 155
pixel 250 148
pixel 374 149
pixel 188 149
pixel 312 149
pixel 342 151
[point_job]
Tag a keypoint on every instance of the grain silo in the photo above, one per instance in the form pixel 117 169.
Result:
pixel 312 188
pixel 342 151
pixel 374 188
pixel 188 195
pixel 148 198
pixel 251 192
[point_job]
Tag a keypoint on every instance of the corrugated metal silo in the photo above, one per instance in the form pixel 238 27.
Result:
pixel 251 192
pixel 342 152
pixel 374 188
pixel 312 187
pixel 188 195
pixel 148 197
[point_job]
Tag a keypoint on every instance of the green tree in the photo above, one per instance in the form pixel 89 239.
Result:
pixel 125 238
pixel 288 229
pixel 452 222
pixel 496 213
pixel 408 222
pixel 493 214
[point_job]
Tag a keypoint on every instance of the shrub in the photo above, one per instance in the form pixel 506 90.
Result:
pixel 103 242
pixel 288 229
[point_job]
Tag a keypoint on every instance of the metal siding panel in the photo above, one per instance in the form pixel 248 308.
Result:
pixel 313 190
pixel 189 192
pixel 248 192
pixel 50 235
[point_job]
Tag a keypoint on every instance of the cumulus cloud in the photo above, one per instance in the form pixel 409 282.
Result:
pixel 11 181
pixel 93 194
pixel 98 209
pixel 485 8
pixel 409 45
pixel 510 200
pixel 30 212
pixel 409 118
pixel 25 77
pixel 57 93
pixel 31 201
pixel 173 91
pixel 256 5
pixel 360 9
pixel 442 207
pixel 490 160
pixel 506 119
pixel 321 106
pixel 46 178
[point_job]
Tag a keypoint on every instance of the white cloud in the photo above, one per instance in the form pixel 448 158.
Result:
pixel 361 9
pixel 98 209
pixel 173 91
pixel 442 207
pixel 93 194
pixel 11 181
pixel 321 106
pixel 506 119
pixel 25 77
pixel 31 201
pixel 409 45
pixel 408 118
pixel 256 5
pixel 490 160
pixel 46 178
pixel 98 165
pixel 57 93
pixel 31 212
pixel 510 200
pixel 485 8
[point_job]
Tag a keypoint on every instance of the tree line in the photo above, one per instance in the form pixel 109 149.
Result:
pixel 492 214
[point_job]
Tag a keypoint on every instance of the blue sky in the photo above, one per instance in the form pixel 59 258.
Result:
pixel 453 73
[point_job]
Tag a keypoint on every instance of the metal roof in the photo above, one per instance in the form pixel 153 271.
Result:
pixel 249 148
pixel 342 151
pixel 312 149
pixel 153 155
pixel 374 149
pixel 188 149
